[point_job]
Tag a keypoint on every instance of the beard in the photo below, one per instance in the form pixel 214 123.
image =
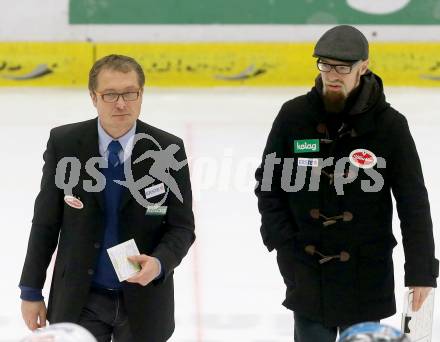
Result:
pixel 334 101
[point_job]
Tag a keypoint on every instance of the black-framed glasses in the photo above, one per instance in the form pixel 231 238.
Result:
pixel 114 97
pixel 339 68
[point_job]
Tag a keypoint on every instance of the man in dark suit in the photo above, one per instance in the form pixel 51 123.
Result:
pixel 84 209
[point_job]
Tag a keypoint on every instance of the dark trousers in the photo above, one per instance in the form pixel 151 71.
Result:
pixel 311 331
pixel 105 316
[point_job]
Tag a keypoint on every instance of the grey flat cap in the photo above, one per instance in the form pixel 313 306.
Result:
pixel 344 43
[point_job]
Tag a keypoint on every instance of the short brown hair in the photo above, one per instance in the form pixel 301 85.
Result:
pixel 118 63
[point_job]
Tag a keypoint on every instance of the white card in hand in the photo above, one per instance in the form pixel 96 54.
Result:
pixel 418 325
pixel 119 256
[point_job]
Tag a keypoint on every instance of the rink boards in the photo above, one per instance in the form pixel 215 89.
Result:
pixel 67 64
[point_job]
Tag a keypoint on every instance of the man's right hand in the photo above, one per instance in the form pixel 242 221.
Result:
pixel 34 314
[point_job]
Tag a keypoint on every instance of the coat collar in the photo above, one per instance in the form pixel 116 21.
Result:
pixel 362 109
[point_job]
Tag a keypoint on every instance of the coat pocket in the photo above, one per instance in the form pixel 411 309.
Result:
pixel 375 270
pixel 302 278
pixel 292 258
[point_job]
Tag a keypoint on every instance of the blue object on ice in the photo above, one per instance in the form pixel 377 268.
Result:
pixel 372 332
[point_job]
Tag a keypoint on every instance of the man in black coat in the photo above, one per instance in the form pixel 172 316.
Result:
pixel 331 160
pixel 97 191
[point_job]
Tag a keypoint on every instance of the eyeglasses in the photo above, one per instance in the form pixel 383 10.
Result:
pixel 114 97
pixel 340 69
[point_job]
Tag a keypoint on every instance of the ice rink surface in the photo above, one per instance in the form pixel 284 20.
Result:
pixel 228 288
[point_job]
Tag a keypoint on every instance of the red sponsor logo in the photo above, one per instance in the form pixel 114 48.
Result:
pixel 363 158
pixel 73 202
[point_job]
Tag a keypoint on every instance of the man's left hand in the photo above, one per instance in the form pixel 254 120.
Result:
pixel 419 296
pixel 150 269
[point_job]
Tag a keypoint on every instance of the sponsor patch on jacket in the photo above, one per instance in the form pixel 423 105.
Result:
pixel 306 145
pixel 73 202
pixel 363 158
pixel 154 190
pixel 154 210
pixel 312 162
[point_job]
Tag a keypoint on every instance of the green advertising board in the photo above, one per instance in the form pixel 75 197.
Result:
pixel 377 12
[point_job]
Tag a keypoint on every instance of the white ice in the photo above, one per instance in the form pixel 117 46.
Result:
pixel 228 288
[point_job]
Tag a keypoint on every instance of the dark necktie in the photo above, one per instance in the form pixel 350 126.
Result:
pixel 114 148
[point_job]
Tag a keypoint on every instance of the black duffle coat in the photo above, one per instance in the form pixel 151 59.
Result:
pixel 334 250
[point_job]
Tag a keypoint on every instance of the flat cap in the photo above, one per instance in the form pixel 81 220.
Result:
pixel 344 43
